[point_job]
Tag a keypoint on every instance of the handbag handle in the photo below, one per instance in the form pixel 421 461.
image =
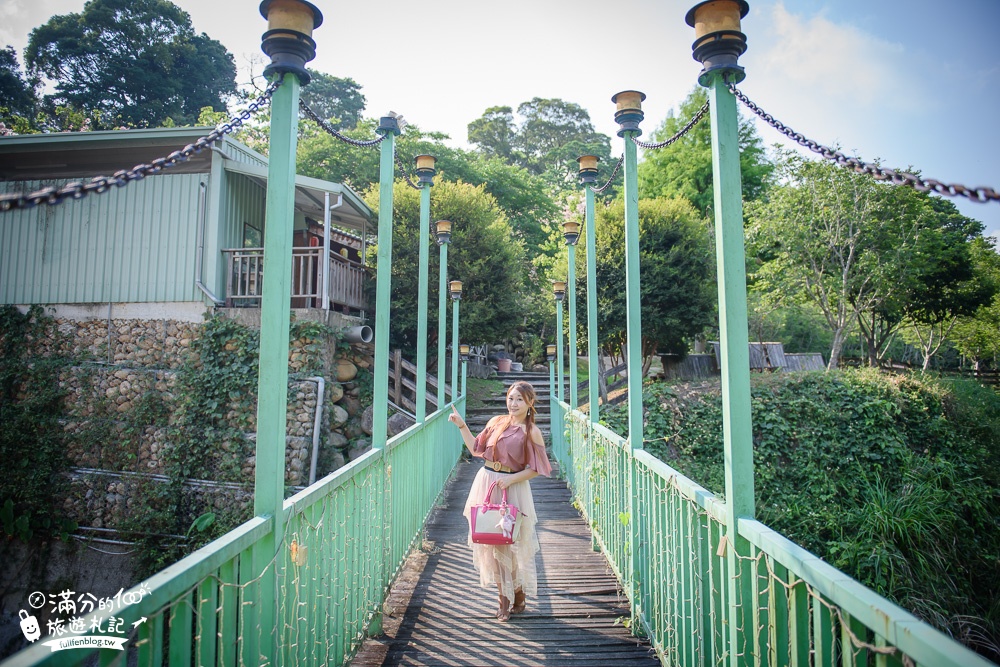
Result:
pixel 489 494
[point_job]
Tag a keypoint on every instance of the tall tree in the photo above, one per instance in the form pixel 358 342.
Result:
pixel 677 288
pixel 136 63
pixel 18 93
pixel 838 239
pixel 494 133
pixel 685 167
pixel 977 336
pixel 953 279
pixel 337 101
pixel 552 134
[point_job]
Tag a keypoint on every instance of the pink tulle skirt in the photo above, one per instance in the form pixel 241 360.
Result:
pixel 508 566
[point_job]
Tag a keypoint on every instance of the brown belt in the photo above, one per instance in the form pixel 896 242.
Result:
pixel 496 466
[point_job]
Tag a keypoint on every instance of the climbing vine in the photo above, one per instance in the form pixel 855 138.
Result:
pixel 31 441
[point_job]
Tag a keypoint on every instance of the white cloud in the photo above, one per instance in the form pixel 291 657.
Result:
pixel 841 60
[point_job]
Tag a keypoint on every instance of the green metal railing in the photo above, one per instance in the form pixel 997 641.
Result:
pixel 802 610
pixel 346 537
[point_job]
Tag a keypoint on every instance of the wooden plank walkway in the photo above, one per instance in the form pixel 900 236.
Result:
pixel 437 614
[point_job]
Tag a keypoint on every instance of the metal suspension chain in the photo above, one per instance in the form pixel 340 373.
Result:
pixel 78 190
pixel 328 128
pixel 614 172
pixel 370 143
pixel 979 194
pixel 402 170
pixel 680 133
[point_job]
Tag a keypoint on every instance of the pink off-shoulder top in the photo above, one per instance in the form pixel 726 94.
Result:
pixel 512 448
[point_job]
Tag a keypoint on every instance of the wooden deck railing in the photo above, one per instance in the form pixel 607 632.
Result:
pixel 403 384
pixel 666 539
pixel 345 288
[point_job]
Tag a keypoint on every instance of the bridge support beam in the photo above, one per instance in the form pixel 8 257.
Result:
pixel 593 368
pixel 443 228
pixel 571 234
pixel 719 51
pixel 425 174
pixel 389 128
pixel 560 293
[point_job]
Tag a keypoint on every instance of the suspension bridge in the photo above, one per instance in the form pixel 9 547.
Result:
pixel 639 563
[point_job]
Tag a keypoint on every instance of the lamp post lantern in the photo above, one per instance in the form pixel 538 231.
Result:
pixel 718 45
pixel 443 235
pixel 288 41
pixel 559 291
pixel 455 288
pixel 425 176
pixel 588 177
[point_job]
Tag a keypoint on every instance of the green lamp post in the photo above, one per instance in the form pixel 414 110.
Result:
pixel 443 235
pixel 550 355
pixel 388 126
pixel 718 45
pixel 571 232
pixel 455 288
pixel 588 176
pixel 463 354
pixel 425 177
pixel 628 115
pixel 289 43
pixel 559 291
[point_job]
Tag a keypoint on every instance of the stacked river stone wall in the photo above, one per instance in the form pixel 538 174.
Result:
pixel 117 441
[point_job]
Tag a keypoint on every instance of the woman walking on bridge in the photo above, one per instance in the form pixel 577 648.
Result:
pixel 513 452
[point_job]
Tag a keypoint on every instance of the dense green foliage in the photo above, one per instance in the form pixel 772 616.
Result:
pixel 31 441
pixel 551 135
pixel 867 254
pixel 137 63
pixel 685 168
pixel 336 100
pixel 678 294
pixel 484 254
pixel 893 479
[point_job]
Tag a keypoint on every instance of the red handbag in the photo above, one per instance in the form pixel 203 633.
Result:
pixel 492 523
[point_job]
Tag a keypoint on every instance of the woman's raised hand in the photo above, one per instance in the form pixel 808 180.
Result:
pixel 456 418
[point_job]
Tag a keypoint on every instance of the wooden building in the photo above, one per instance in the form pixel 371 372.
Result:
pixel 180 242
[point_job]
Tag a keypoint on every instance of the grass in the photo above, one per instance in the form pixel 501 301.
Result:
pixel 480 390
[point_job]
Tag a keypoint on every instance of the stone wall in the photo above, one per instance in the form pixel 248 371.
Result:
pixel 115 443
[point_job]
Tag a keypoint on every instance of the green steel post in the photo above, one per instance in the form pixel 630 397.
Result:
pixel 632 295
pixel 560 362
pixel 592 349
pixel 571 287
pixel 454 350
pixel 425 223
pixel 734 341
pixel 552 402
pixel 272 380
pixel 380 399
pixel 633 305
pixel 442 322
pixel 465 387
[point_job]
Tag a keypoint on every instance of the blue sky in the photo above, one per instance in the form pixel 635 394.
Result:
pixel 911 83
